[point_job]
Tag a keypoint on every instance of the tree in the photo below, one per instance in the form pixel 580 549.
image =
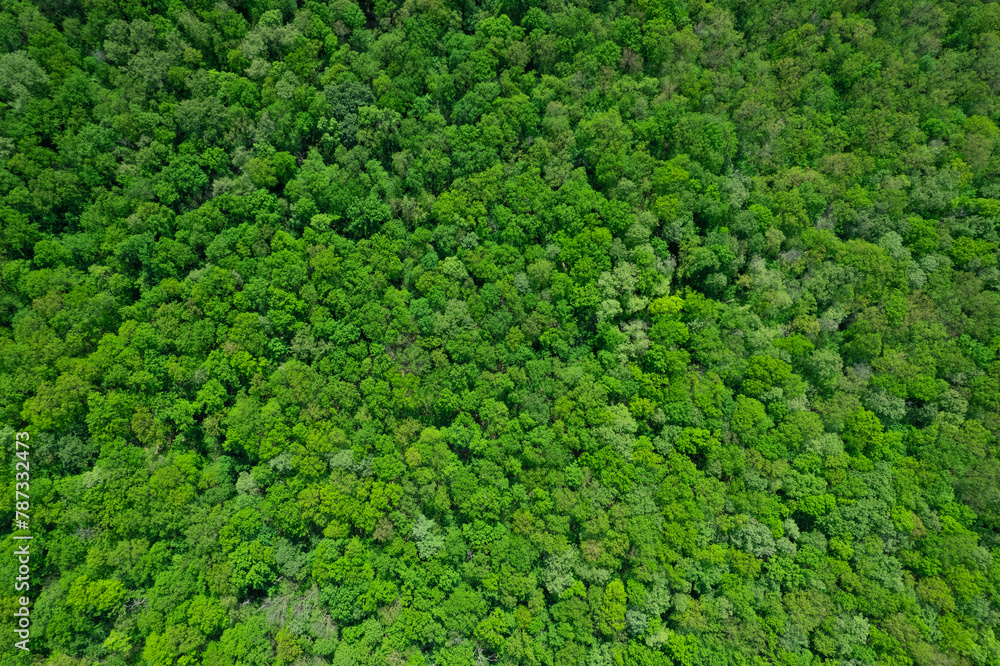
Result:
pixel 21 79
pixel 611 615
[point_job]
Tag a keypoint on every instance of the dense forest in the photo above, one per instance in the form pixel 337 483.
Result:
pixel 548 332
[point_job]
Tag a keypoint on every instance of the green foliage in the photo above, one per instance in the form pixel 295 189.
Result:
pixel 410 332
pixel 611 616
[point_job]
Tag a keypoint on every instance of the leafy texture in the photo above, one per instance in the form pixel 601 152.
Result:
pixel 571 333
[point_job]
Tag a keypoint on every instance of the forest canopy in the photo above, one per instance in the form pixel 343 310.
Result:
pixel 562 333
